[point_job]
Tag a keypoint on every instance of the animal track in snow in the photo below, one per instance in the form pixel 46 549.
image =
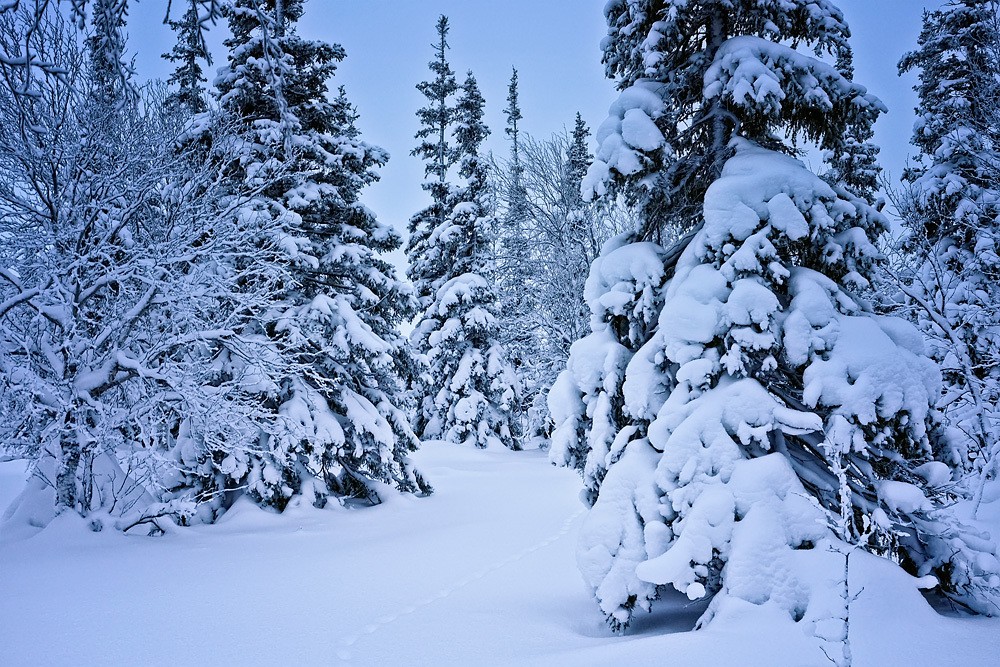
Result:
pixel 345 644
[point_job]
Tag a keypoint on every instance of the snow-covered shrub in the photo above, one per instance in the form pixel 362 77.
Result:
pixel 111 283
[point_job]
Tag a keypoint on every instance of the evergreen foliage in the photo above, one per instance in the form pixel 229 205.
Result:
pixel 742 347
pixel 188 50
pixel 343 431
pixel 108 17
pixel 468 389
pixel 196 307
pixel 668 134
pixel 439 156
pixel 578 161
pixel 106 48
pixel 514 115
pixel 517 288
pixel 952 210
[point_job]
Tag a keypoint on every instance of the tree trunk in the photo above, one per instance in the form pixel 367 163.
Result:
pixel 69 465
pixel 720 133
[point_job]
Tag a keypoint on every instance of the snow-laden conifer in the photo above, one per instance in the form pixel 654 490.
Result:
pixel 437 150
pixel 516 287
pixel 739 411
pixel 514 255
pixel 528 187
pixel 188 52
pixel 952 211
pixel 469 388
pixel 339 429
pixel 667 135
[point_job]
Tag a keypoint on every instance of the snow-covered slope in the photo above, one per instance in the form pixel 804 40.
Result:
pixel 482 572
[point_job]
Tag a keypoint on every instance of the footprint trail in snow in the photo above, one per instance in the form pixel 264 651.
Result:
pixel 346 643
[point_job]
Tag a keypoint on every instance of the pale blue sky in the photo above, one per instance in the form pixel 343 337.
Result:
pixel 555 46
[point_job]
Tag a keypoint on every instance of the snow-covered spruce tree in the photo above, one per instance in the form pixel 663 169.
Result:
pixel 734 394
pixel 624 294
pixel 952 211
pixel 424 268
pixel 341 432
pixel 587 225
pixel 578 160
pixel 663 142
pixel 514 270
pixel 439 154
pixel 471 387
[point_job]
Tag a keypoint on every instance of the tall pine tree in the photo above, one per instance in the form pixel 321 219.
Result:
pixel 516 267
pixel 188 51
pixel 439 155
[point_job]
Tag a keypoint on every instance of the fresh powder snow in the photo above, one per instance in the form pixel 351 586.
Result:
pixel 473 574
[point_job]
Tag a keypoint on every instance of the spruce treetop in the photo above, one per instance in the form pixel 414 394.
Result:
pixel 958 56
pixel 471 131
pixel 694 75
pixel 189 49
pixel 436 117
pixel 106 48
pixel 579 157
pixel 513 113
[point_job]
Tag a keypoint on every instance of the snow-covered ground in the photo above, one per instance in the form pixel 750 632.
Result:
pixel 482 572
